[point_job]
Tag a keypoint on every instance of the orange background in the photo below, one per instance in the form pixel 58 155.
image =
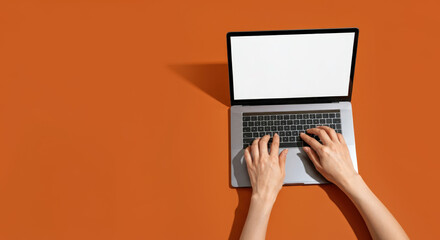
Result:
pixel 114 119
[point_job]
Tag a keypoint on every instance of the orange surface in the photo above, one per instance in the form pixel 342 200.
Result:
pixel 114 119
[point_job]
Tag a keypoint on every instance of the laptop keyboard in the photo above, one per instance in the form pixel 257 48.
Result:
pixel 288 125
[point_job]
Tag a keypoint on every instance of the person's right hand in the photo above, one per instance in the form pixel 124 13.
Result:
pixel 331 158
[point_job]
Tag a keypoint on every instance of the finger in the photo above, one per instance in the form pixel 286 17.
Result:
pixel 331 132
pixel 254 151
pixel 282 159
pixel 311 141
pixel 247 157
pixel 274 148
pixel 313 157
pixel 322 134
pixel 341 138
pixel 263 145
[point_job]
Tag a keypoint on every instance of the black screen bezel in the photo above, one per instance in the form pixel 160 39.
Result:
pixel 291 100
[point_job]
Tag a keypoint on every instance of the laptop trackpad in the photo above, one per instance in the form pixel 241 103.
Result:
pixel 300 170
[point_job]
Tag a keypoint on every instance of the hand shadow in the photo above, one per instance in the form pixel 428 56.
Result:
pixel 212 78
pixel 244 200
pixel 334 193
pixel 348 209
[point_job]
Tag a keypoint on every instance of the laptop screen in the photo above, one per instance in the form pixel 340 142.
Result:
pixel 291 65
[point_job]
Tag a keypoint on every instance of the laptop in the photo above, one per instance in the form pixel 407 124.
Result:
pixel 286 82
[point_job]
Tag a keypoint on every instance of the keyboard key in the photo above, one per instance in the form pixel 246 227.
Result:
pixel 246 129
pixel 270 123
pixel 289 122
pixel 248 140
pixel 290 144
pixel 247 135
pixel 255 135
pixel 299 127
pixel 261 134
pixel 266 128
pixel 291 139
pixel 312 116
pixel 336 120
pixel 286 127
pixel 325 115
pixel 338 126
pixel 253 129
pixel 292 127
pixel 285 139
pixel 253 118
pixel 302 121
pixel 277 122
pixel 309 121
pixel 286 117
pixel 266 118
pixel 315 121
pixel 292 116
pixel 288 133
pixel 273 128
pixel 280 128
pixel 246 118
pixel 251 124
pixel 257 124
pixel 338 115
pixel 299 116
pixel 306 116
pixel 295 133
pixel 283 122
pixel 260 129
pixel 273 117
pixel 318 115
pixel 296 122
pixel 279 117
pixel 245 124
pixel 260 118
pixel 328 120
pixel 321 121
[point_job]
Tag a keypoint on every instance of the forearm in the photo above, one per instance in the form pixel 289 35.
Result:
pixel 257 218
pixel 380 222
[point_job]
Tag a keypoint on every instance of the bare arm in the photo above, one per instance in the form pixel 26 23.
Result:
pixel 332 160
pixel 266 172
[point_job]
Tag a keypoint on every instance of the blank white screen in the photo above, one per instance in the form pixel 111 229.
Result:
pixel 291 66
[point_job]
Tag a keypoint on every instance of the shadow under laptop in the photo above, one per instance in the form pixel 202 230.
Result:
pixel 212 78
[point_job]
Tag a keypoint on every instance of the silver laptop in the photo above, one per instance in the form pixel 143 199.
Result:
pixel 286 82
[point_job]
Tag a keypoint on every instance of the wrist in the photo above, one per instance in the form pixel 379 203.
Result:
pixel 350 184
pixel 263 199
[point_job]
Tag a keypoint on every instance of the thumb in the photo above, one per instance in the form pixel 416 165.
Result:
pixel 313 157
pixel 282 159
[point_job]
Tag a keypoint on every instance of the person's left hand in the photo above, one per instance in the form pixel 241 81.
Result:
pixel 266 170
